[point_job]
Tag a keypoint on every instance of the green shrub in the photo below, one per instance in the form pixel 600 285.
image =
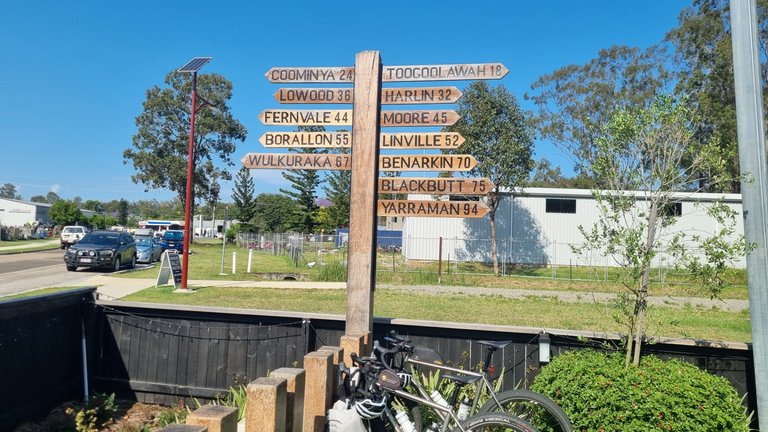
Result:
pixel 332 272
pixel 599 393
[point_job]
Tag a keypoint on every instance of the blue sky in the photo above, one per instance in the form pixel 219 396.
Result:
pixel 74 74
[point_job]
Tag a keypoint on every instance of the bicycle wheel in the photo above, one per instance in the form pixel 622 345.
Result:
pixel 535 408
pixel 496 422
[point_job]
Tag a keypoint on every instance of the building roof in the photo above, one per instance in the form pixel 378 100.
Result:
pixel 39 204
pixel 587 193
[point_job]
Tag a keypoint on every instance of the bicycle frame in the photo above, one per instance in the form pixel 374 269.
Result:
pixel 445 413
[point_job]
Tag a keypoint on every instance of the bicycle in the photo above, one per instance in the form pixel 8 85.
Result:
pixel 533 407
pixel 371 385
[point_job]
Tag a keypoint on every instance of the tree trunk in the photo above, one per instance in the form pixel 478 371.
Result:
pixel 641 301
pixel 492 204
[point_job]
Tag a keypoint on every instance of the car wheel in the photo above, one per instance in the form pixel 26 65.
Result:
pixel 71 268
pixel 133 262
pixel 116 264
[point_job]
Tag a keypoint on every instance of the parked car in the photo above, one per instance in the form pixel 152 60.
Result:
pixel 148 249
pixel 71 235
pixel 143 232
pixel 102 249
pixel 173 239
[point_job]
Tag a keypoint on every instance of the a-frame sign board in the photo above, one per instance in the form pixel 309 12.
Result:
pixel 170 269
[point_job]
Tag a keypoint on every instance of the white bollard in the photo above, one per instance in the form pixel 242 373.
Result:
pixel 234 263
pixel 250 255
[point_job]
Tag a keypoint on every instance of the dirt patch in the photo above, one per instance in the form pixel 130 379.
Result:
pixel 130 416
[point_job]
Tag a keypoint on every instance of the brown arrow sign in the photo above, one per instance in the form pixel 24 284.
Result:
pixel 442 186
pixel 419 118
pixel 414 208
pixel 424 140
pixel 311 74
pixel 449 72
pixel 277 117
pixel 389 96
pixel 297 161
pixel 427 163
pixel 307 139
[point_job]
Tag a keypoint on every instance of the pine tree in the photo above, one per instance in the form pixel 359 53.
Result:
pixel 304 184
pixel 338 192
pixel 243 194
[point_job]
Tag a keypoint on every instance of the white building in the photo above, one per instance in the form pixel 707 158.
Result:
pixel 17 213
pixel 539 226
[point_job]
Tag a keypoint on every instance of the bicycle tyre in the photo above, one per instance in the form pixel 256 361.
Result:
pixel 496 421
pixel 535 408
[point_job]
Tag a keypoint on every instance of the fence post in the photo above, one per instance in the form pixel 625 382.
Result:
pixel 354 343
pixel 295 388
pixel 266 405
pixel 250 257
pixel 317 396
pixel 234 262
pixel 440 261
pixel 338 356
pixel 215 418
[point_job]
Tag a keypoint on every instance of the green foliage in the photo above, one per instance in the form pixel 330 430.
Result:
pixel 338 191
pixel 273 212
pixel 97 413
pixel 51 197
pixel 65 212
pixel 598 392
pixel 102 221
pixel 333 271
pixel 243 196
pixel 161 144
pixel 575 100
pixel 8 190
pixel 122 213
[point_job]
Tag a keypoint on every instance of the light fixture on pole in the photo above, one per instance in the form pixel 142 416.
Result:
pixel 192 67
pixel 544 347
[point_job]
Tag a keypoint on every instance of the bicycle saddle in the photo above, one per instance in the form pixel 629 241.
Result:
pixel 494 344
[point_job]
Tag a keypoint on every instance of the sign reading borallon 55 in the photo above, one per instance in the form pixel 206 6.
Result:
pixel 416 208
pixel 449 72
pixel 389 96
pixel 344 162
pixel 279 117
pixel 453 186
pixel 423 140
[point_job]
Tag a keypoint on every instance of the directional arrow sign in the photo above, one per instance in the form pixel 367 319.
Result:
pixel 311 74
pixel 307 139
pixel 389 96
pixel 297 161
pixel 449 72
pixel 458 209
pixel 442 186
pixel 427 163
pixel 344 162
pixel 278 117
pixel 419 118
pixel 306 117
pixel 424 140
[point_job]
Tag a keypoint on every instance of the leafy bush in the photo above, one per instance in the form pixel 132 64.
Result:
pixel 97 413
pixel 599 393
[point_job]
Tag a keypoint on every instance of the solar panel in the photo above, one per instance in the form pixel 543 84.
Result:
pixel 195 64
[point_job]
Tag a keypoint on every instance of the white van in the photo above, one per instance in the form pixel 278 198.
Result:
pixel 144 232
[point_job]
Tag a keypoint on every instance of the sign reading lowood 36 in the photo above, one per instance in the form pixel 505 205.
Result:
pixel 424 140
pixel 449 72
pixel 389 96
pixel 344 117
pixel 452 186
pixel 464 209
pixel 344 162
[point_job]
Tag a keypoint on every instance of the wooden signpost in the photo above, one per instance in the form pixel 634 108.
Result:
pixel 389 96
pixel 423 140
pixel 416 208
pixel 366 118
pixel 435 186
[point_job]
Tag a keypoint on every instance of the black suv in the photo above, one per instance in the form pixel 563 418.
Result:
pixel 104 249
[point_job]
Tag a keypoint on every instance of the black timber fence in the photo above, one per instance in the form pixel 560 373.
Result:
pixel 164 353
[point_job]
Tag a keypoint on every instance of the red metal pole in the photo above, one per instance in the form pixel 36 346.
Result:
pixel 188 200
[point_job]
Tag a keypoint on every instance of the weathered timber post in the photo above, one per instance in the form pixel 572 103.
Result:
pixel 266 407
pixel 215 418
pixel 366 127
pixel 294 412
pixel 354 343
pixel 317 393
pixel 338 356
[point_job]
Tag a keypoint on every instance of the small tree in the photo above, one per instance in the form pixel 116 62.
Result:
pixel 304 184
pixel 639 157
pixel 338 192
pixel 245 200
pixel 498 135
pixel 65 212
pixel 8 190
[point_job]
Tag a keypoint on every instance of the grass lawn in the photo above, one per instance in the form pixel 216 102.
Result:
pixel 534 312
pixel 18 246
